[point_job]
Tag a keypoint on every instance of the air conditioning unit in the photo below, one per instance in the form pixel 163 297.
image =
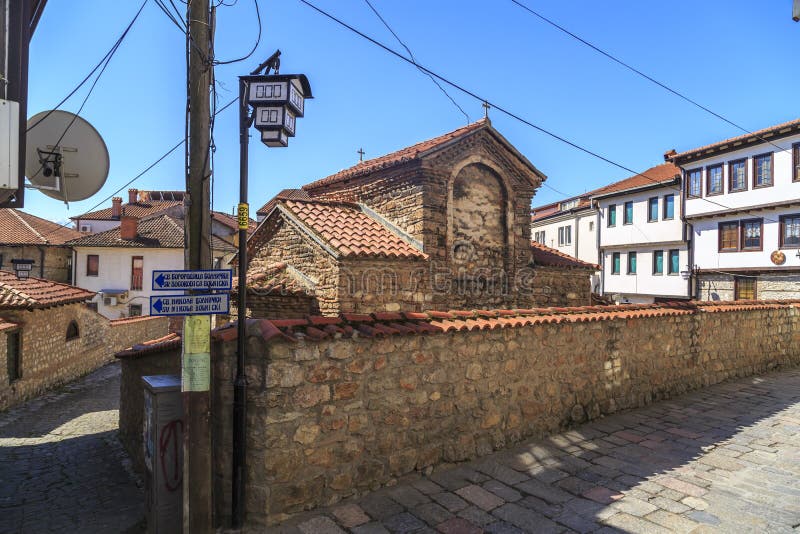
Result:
pixel 110 301
pixel 86 228
pixel 9 149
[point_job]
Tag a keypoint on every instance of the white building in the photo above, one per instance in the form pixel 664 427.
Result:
pixel 742 198
pixel 118 264
pixel 140 204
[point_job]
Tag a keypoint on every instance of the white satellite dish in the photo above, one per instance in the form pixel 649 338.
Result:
pixel 65 157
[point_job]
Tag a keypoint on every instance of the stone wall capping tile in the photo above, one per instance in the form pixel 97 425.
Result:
pixel 319 320
pixel 286 323
pixel 387 316
pixel 414 316
pixel 440 315
pixel 356 317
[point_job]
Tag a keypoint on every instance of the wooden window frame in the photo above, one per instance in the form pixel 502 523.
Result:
pixel 721 168
pixel 134 280
pixel 677 252
pixel 742 224
pixel 616 262
pixel 612 221
pixel 635 260
pixel 731 163
pixel 771 170
pixel 664 207
pixel 738 280
pixel 97 265
pixel 689 182
pixel 625 213
pixel 655 272
pixel 719 236
pixel 650 218
pixel 781 236
pixel 796 162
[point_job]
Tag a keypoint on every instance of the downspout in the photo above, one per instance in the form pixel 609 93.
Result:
pixel 41 261
pixel 72 268
pixel 599 253
pixel 688 235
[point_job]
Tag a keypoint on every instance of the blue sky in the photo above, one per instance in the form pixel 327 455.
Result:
pixel 736 57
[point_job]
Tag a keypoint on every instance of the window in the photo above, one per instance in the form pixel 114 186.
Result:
pixel 658 262
pixel 612 215
pixel 737 175
pixel 92 306
pixel 714 179
pixel 744 288
pixel 627 215
pixel 591 226
pixel 134 310
pixel 631 263
pixel 728 236
pixel 762 170
pixel 92 264
pixel 539 237
pixel 564 235
pixel 669 207
pixel 674 261
pixel 13 356
pixel 568 205
pixel 615 263
pixel 751 234
pixel 796 162
pixel 694 184
pixel 72 330
pixel 790 231
pixel 652 209
pixel 137 272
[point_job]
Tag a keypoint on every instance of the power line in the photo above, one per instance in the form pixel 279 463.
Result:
pixel 637 71
pixel 258 39
pixel 411 55
pixel 508 112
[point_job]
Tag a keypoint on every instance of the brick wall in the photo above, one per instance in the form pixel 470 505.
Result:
pixel 48 359
pixel 331 414
pixel 56 261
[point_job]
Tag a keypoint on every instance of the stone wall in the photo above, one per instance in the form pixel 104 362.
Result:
pixel 554 286
pixel 57 261
pixel 778 285
pixel 49 359
pixel 372 285
pixel 345 407
pixel 274 305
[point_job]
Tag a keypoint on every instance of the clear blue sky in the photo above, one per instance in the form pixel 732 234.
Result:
pixel 737 57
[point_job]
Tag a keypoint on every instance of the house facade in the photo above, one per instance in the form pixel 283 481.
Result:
pixel 742 206
pixel 140 204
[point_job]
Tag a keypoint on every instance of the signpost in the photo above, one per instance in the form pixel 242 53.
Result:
pixel 192 280
pixel 196 304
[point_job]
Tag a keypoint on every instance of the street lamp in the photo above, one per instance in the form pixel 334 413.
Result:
pixel 277 100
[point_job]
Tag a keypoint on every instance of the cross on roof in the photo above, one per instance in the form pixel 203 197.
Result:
pixel 486 107
pixel 360 153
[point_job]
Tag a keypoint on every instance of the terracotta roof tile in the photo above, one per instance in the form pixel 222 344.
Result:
pixel 286 194
pixel 276 279
pixel 660 174
pixel 34 293
pixel 20 228
pixel 765 132
pixel 231 221
pixel 351 231
pixel 550 257
pixel 6 324
pixel 136 209
pixel 169 342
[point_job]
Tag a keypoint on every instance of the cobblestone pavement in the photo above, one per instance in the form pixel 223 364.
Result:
pixel 725 459
pixel 61 466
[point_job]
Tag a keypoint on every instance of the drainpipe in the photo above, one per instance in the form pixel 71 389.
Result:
pixel 41 262
pixel 688 237
pixel 72 268
pixel 599 252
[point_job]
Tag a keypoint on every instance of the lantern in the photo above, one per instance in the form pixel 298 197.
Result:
pixel 278 100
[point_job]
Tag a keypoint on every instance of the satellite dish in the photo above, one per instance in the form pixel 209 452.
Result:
pixel 65 157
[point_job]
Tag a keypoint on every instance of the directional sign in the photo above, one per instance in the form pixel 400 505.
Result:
pixel 204 304
pixel 209 279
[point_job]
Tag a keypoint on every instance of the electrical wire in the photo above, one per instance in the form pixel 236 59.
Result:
pixel 258 40
pixel 508 112
pixel 638 72
pixel 411 55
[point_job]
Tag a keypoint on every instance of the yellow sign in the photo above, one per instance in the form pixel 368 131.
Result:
pixel 243 212
pixel 196 365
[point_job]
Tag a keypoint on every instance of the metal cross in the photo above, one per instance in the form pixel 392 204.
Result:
pixel 360 153
pixel 486 107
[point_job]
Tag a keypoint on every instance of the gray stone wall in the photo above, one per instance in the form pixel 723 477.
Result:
pixel 769 286
pixel 56 261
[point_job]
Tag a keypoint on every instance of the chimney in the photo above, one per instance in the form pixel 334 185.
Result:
pixel 669 154
pixel 116 207
pixel 128 227
pixel 133 196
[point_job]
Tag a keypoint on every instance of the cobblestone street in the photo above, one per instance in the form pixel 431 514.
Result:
pixel 724 459
pixel 61 466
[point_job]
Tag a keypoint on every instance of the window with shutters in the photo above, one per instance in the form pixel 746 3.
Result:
pixel 729 236
pixel 137 272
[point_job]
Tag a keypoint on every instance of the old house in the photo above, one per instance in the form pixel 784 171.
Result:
pixel 140 204
pixel 26 237
pixel 443 224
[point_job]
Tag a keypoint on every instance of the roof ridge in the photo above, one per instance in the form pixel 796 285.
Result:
pixel 31 228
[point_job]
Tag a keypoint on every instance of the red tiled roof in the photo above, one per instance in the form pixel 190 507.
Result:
pixel 550 257
pixel 276 279
pixel 5 324
pixel 660 174
pixel 548 210
pixel 232 222
pixel 169 342
pixel 34 293
pixel 286 194
pixel 350 231
pixel 20 228
pixel 749 138
pixel 137 209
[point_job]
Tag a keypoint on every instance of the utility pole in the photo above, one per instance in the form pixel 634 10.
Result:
pixel 196 354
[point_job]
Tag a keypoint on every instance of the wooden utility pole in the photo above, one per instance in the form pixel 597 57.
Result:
pixel 196 356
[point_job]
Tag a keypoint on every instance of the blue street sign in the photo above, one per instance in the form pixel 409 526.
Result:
pixel 201 279
pixel 204 304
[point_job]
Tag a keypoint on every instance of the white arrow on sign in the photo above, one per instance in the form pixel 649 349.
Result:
pixel 203 304
pixel 184 279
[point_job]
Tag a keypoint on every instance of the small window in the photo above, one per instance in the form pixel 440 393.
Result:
pixel 737 175
pixel 744 288
pixel 72 330
pixel 751 234
pixel 796 162
pixel 790 231
pixel 137 272
pixel 612 215
pixel 652 209
pixel 714 178
pixel 134 310
pixel 674 261
pixel 669 207
pixel 564 235
pixel 591 226
pixel 13 356
pixel 92 264
pixel 92 306
pixel 694 183
pixel 627 214
pixel 658 262
pixel 631 263
pixel 728 236
pixel 615 263
pixel 762 170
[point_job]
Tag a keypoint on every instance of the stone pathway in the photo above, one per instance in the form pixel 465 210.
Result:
pixel 725 459
pixel 61 466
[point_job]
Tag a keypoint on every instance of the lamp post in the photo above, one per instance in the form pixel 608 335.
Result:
pixel 277 100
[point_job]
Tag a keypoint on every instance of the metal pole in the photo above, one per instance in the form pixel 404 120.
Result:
pixel 240 382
